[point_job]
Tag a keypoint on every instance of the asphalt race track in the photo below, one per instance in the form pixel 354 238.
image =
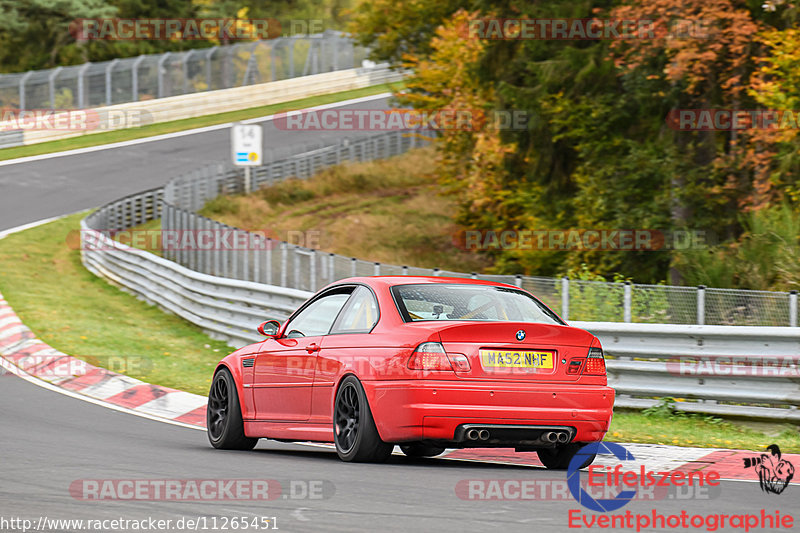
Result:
pixel 55 186
pixel 48 440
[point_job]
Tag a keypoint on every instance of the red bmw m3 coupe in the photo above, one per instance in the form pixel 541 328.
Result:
pixel 426 363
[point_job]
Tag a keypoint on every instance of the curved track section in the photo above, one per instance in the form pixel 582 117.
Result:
pixel 53 444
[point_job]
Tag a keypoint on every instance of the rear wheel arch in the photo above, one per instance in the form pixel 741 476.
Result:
pixel 366 444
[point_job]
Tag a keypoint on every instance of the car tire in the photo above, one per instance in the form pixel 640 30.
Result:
pixel 354 431
pixel 417 449
pixel 224 415
pixel 559 458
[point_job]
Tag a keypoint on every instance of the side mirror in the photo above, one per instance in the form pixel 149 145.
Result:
pixel 269 328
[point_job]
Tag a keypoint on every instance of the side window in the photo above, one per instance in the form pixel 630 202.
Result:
pixel 359 315
pixel 318 317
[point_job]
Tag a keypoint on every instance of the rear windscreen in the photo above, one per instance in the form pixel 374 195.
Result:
pixel 469 302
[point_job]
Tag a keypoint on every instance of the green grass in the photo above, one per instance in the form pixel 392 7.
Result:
pixel 700 432
pixel 391 211
pixel 82 315
pixel 161 128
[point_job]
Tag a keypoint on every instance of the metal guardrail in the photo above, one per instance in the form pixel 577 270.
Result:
pixel 302 268
pixel 738 371
pixel 11 138
pixel 757 376
pixel 173 73
pixel 227 309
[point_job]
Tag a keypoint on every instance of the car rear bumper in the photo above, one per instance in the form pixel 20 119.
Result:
pixel 413 410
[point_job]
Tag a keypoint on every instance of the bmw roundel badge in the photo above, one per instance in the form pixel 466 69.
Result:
pixel 521 335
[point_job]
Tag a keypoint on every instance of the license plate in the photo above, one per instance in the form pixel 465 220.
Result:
pixel 512 359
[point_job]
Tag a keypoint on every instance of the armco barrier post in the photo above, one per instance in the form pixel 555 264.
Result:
pixel 793 309
pixel 565 298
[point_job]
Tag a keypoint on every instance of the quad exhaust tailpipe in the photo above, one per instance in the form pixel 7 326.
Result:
pixel 518 436
pixel 561 437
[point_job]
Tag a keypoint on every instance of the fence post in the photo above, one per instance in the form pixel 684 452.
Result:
pixel 565 298
pixel 135 78
pixel 405 270
pixel 284 260
pixel 701 305
pixel 269 245
pixel 185 70
pixel 518 280
pixel 22 82
pixel 160 73
pixel 296 267
pixel 793 308
pixel 312 270
pixel 352 267
pixel 376 269
pixel 109 68
pixel 51 82
pixel 627 302
pixel 291 56
pixel 208 66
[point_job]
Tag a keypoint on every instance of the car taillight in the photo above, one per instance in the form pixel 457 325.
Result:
pixel 595 363
pixel 432 356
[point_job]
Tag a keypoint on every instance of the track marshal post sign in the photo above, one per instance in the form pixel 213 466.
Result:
pixel 247 149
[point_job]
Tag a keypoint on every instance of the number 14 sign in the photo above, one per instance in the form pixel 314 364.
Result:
pixel 246 145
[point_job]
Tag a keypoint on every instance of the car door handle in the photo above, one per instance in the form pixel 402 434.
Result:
pixel 313 347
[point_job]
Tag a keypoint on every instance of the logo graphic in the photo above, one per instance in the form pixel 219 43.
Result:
pixel 585 454
pixel 521 335
pixel 774 473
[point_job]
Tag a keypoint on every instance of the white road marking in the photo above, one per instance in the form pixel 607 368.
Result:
pixel 45 385
pixel 173 402
pixel 215 127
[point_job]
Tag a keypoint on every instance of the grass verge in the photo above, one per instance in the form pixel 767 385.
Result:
pixel 84 316
pixel 390 211
pixel 699 431
pixel 161 128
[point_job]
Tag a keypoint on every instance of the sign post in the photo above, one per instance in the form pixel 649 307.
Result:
pixel 247 149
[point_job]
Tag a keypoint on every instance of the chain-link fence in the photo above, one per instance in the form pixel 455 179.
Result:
pixel 174 73
pixel 261 259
